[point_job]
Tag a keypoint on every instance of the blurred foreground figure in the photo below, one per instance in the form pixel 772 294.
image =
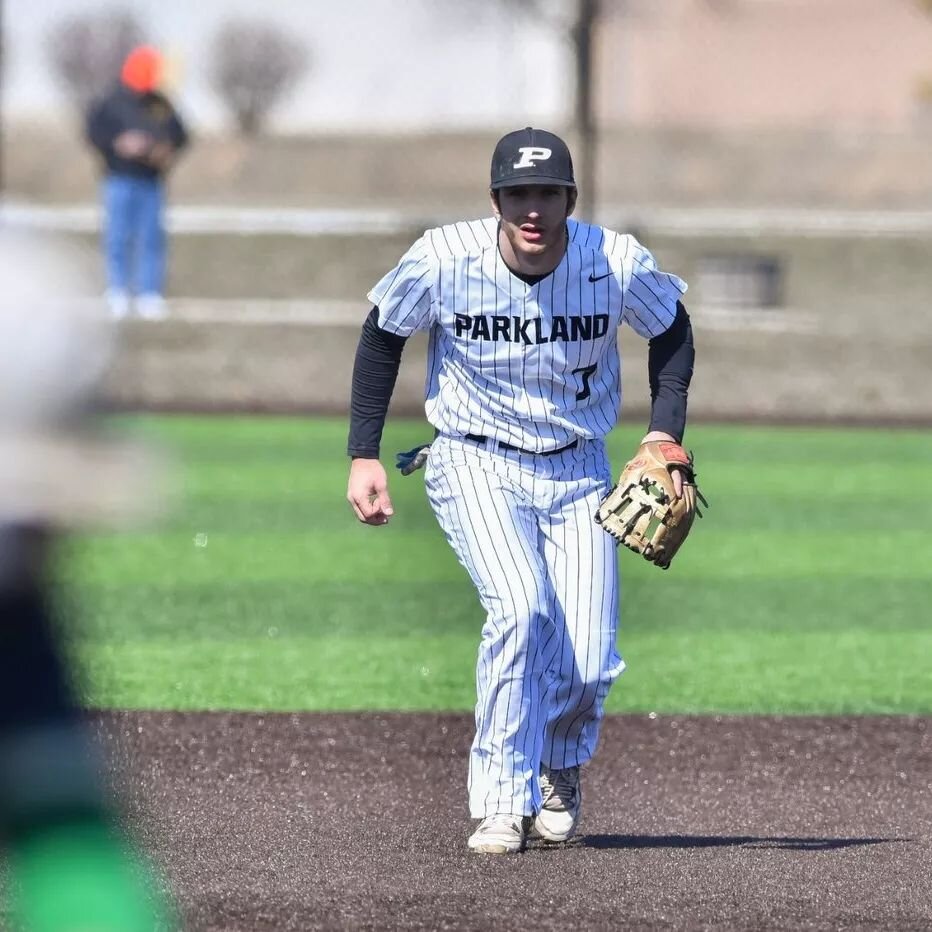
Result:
pixel 70 866
pixel 138 134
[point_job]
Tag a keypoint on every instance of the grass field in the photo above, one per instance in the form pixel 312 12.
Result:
pixel 806 589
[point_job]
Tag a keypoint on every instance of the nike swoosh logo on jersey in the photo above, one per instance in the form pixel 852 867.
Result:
pixel 598 278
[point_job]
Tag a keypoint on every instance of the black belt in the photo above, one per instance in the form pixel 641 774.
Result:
pixel 508 446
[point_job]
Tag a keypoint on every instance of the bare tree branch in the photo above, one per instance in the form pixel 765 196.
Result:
pixel 86 50
pixel 253 65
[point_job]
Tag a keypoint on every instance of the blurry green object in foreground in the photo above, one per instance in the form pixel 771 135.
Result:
pixel 82 878
pixel 262 591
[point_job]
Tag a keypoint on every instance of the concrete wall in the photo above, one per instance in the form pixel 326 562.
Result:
pixel 445 175
pixel 851 340
pixel 307 367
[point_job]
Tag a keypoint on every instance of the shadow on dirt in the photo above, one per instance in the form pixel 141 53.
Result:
pixel 719 841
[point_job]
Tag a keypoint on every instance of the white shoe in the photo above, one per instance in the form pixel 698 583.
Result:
pixel 119 304
pixel 151 307
pixel 559 814
pixel 500 834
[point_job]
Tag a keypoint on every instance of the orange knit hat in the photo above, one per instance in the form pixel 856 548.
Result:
pixel 142 69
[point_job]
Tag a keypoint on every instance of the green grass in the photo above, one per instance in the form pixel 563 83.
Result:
pixel 806 589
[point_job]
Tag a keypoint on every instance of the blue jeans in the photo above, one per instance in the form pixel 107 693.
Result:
pixel 134 238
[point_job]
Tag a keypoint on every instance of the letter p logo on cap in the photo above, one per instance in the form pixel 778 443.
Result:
pixel 531 155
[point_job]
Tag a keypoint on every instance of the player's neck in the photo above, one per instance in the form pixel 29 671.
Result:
pixel 533 264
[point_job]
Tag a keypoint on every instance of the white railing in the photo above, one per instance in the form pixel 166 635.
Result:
pixel 707 221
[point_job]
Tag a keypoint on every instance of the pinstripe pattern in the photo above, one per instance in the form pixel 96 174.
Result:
pixel 510 386
pixel 546 574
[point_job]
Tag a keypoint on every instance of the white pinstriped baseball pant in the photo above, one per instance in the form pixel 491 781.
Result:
pixel 547 577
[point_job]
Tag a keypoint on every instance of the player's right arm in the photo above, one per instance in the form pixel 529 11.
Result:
pixel 378 358
pixel 403 304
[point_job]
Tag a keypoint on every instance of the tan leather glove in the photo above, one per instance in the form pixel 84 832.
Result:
pixel 643 511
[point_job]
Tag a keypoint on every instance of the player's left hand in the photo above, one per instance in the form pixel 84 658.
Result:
pixel 675 474
pixel 368 492
pixel 651 508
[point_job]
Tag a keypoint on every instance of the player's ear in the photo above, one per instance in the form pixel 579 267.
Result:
pixel 571 201
pixel 496 208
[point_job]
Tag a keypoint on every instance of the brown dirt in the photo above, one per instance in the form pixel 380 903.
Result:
pixel 319 821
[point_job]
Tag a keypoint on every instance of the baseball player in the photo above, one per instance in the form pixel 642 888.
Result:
pixel 522 310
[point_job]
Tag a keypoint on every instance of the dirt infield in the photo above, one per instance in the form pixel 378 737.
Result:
pixel 317 821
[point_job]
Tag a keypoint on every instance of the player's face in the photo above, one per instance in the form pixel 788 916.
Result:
pixel 533 221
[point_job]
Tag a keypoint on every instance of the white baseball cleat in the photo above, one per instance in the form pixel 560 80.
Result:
pixel 562 804
pixel 500 834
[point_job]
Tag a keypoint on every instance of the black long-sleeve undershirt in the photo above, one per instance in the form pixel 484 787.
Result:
pixel 378 359
pixel 670 359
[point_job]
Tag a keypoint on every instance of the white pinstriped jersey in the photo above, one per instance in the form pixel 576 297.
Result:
pixel 535 366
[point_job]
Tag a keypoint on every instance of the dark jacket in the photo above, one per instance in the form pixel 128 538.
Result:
pixel 123 109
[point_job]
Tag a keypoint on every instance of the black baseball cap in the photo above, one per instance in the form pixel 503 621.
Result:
pixel 531 156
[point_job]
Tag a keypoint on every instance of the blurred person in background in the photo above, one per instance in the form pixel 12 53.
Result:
pixel 138 134
pixel 71 865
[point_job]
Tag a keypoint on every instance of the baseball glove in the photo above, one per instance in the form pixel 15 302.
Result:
pixel 643 512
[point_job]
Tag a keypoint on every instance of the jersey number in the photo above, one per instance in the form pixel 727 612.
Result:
pixel 586 373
